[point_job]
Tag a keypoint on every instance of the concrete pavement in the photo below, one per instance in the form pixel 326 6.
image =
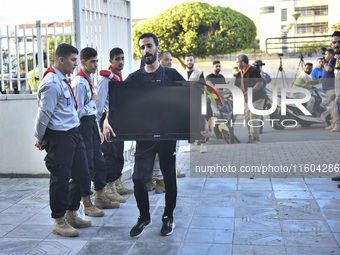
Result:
pixel 235 215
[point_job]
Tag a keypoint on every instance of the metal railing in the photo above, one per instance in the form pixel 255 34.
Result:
pixel 296 43
pixel 22 45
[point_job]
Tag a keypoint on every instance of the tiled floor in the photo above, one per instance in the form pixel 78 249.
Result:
pixel 213 216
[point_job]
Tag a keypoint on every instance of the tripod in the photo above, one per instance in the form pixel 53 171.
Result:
pixel 283 75
pixel 301 64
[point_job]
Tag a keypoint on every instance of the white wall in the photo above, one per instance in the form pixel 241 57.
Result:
pixel 18 153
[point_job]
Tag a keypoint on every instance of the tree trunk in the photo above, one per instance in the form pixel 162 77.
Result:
pixel 179 60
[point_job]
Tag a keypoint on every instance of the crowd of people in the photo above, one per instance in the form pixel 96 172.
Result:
pixel 72 126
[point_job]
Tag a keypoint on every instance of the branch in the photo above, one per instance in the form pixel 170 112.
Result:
pixel 179 60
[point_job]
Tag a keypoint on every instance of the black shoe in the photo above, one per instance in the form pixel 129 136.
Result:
pixel 137 230
pixel 336 178
pixel 168 226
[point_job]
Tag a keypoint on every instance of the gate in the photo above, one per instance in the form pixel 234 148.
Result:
pixel 103 25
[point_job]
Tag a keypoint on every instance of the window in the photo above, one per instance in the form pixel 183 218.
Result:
pixel 305 11
pixel 283 14
pixel 321 27
pixel 313 10
pixel 323 10
pixel 267 9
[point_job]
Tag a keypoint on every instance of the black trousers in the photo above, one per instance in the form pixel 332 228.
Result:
pixel 144 161
pixel 114 156
pixel 66 161
pixel 97 168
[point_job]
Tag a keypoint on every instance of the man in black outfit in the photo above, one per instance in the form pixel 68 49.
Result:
pixel 215 77
pixel 250 77
pixel 146 150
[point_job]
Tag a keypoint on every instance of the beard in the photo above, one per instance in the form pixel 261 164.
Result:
pixel 217 71
pixel 150 61
pixel 190 66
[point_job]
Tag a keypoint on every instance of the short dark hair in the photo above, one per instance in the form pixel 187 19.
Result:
pixel 88 53
pixel 336 33
pixel 64 50
pixel 323 48
pixel 309 64
pixel 37 59
pixel 115 51
pixel 243 58
pixel 216 62
pixel 320 58
pixel 189 55
pixel 160 55
pixel 149 35
pixel 331 51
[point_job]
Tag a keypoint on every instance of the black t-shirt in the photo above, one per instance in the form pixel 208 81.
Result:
pixel 216 79
pixel 161 74
pixel 251 77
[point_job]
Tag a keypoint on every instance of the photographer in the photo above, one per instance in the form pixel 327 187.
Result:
pixel 265 77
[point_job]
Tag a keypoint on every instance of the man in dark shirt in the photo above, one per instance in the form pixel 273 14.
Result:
pixel 215 77
pixel 146 150
pixel 250 77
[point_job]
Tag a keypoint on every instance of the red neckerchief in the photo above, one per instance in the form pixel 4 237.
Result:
pixel 51 70
pixel 115 72
pixel 242 81
pixel 81 73
pixel 110 74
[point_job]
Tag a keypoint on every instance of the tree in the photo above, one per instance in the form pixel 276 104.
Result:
pixel 336 27
pixel 51 45
pixel 200 29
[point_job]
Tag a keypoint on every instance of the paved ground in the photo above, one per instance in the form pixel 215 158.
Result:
pixel 214 215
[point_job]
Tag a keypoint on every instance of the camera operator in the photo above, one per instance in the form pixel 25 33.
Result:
pixel 265 77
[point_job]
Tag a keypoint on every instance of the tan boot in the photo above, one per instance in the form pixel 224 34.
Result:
pixel 330 127
pixel 90 209
pixel 112 194
pixel 336 128
pixel 121 189
pixel 75 221
pixel 180 174
pixel 102 202
pixel 63 228
pixel 160 186
pixel 151 184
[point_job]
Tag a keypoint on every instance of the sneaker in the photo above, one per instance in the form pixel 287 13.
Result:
pixel 137 230
pixel 336 178
pixel 168 226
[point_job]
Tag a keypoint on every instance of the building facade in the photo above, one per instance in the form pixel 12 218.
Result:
pixel 295 18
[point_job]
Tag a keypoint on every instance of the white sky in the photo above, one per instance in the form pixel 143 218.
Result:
pixel 15 12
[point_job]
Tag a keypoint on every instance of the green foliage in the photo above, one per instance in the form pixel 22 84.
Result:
pixel 51 45
pixel 200 29
pixel 4 53
pixel 336 27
